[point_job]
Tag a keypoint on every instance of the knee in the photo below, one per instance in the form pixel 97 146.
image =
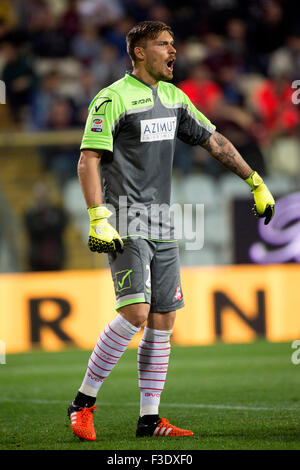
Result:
pixel 161 321
pixel 136 314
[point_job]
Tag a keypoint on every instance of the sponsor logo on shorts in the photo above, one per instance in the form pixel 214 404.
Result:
pixel 158 129
pixel 123 280
pixel 97 125
pixel 178 294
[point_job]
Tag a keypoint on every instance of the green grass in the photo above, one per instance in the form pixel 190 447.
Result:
pixel 231 396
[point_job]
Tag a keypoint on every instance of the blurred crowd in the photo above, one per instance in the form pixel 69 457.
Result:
pixel 236 60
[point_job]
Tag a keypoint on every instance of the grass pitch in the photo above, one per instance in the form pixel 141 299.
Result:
pixel 231 396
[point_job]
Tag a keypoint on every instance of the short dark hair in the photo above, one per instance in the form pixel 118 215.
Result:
pixel 142 31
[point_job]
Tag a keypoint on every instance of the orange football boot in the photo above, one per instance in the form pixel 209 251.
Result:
pixel 161 427
pixel 82 421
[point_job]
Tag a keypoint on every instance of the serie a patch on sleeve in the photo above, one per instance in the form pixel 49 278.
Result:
pixel 97 124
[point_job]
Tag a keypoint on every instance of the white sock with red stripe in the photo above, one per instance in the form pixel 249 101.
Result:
pixel 112 343
pixel 153 360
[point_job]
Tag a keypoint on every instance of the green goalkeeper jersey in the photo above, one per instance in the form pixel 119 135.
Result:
pixel 137 125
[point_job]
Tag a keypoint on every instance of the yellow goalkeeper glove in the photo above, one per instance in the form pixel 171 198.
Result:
pixel 264 201
pixel 103 238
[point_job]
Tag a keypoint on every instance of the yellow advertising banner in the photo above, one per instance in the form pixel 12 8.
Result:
pixel 231 304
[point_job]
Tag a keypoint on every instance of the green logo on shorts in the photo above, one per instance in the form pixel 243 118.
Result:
pixel 123 280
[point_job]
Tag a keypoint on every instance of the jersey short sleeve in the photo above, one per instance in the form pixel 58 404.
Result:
pixel 105 111
pixel 194 128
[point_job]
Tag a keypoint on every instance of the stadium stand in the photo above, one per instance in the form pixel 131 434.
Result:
pixel 55 56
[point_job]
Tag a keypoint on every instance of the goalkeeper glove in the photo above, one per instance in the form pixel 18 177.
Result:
pixel 264 201
pixel 103 238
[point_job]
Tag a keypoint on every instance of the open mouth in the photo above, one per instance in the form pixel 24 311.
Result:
pixel 170 65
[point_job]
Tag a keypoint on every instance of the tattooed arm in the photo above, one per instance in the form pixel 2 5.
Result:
pixel 223 151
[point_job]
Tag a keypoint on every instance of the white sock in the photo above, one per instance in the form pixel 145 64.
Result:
pixel 112 343
pixel 153 360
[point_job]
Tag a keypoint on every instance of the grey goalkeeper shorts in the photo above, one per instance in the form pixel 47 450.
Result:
pixel 147 271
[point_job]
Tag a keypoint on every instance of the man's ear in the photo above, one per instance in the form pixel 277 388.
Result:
pixel 139 52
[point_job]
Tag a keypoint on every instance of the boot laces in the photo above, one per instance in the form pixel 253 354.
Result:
pixel 85 413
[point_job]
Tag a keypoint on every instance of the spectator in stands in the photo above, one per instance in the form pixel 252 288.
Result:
pixel 219 43
pixel 8 14
pixel 202 90
pixel 219 56
pixel 273 103
pixel 183 63
pixel 102 13
pixel 29 12
pixel 236 30
pixel 287 57
pixel 108 67
pixel 117 35
pixel 86 45
pixel 224 108
pixel 46 94
pixel 86 90
pixel 61 159
pixel 160 12
pixel 268 31
pixel 60 115
pixel 70 20
pixel 238 45
pixel 4 29
pixel 279 123
pixel 19 77
pixel 243 139
pixel 47 39
pixel 45 222
pixel 205 94
pixel 228 78
pixel 138 10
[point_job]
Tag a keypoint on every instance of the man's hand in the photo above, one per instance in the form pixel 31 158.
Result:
pixel 223 150
pixel 103 238
pixel 264 201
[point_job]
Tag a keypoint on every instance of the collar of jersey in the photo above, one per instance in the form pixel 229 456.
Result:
pixel 130 75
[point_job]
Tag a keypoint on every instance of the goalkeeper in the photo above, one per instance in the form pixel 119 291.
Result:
pixel 131 132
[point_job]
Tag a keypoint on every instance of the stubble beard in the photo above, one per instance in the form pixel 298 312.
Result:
pixel 159 76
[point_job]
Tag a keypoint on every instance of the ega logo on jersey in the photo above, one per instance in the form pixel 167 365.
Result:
pixel 97 125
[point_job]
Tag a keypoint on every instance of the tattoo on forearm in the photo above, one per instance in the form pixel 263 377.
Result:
pixel 223 150
pixel 220 139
